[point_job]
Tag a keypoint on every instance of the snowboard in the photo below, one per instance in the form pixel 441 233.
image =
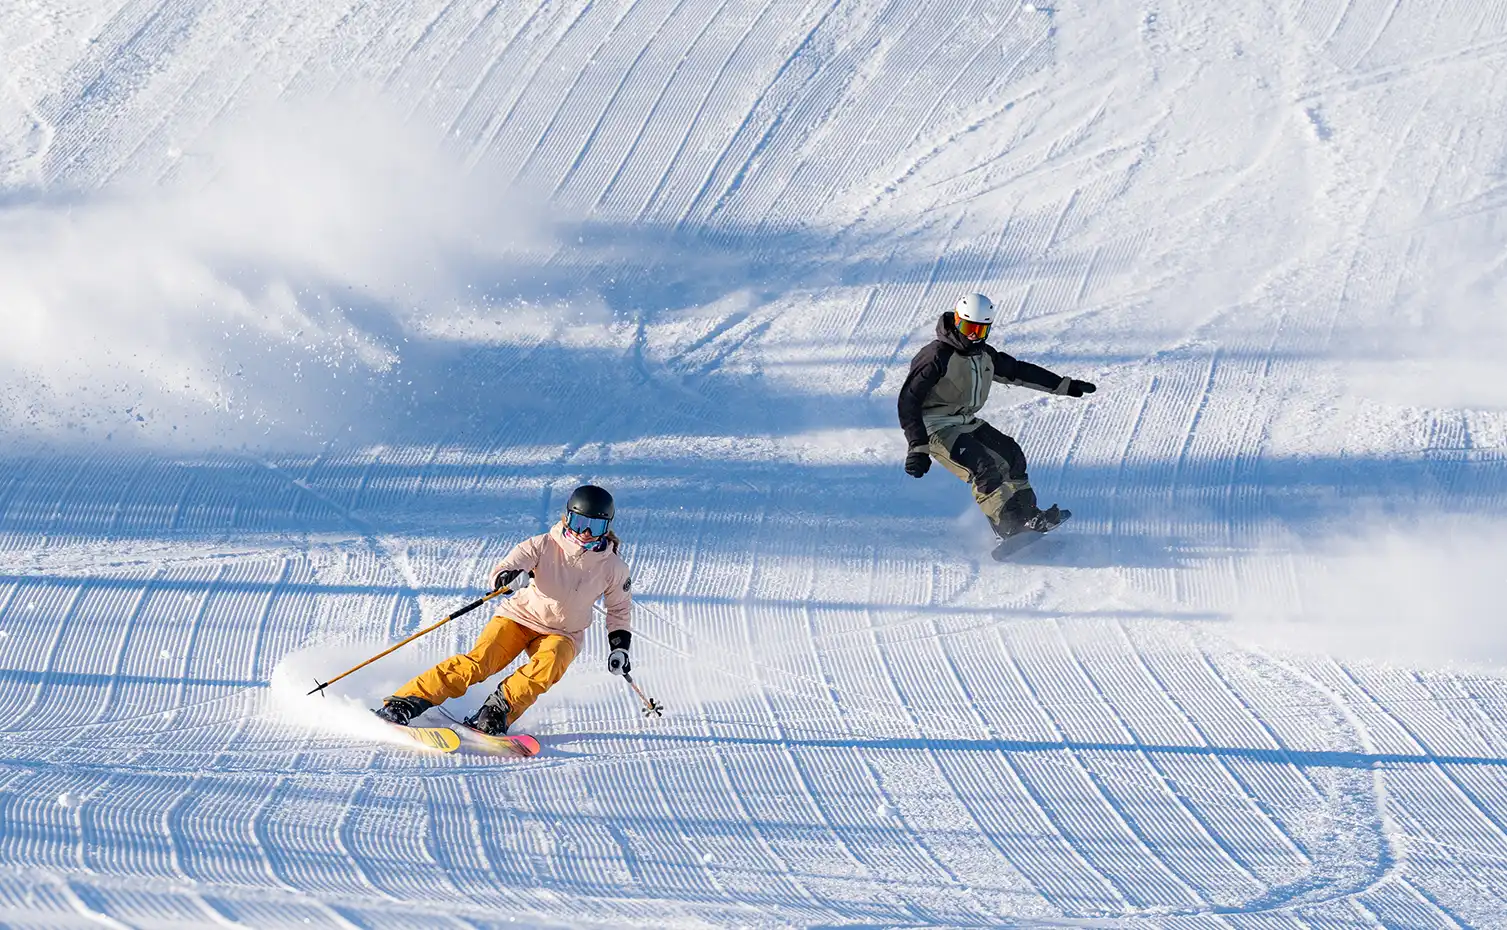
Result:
pixel 1011 545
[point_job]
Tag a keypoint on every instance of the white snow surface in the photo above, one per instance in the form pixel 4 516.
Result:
pixel 312 308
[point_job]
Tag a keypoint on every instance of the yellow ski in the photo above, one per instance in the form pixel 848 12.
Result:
pixel 441 739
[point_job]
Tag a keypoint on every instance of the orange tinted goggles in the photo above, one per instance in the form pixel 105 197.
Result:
pixel 972 330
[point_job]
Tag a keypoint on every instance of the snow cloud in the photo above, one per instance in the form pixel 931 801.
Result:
pixel 255 294
pixel 1417 596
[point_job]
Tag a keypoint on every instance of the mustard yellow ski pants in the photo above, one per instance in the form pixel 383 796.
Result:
pixel 501 641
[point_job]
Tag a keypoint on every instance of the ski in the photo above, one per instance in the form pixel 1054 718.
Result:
pixel 441 739
pixel 1011 545
pixel 448 739
pixel 512 744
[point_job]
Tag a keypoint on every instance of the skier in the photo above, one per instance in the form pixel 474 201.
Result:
pixel 947 385
pixel 572 565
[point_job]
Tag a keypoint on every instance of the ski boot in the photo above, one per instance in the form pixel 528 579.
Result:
pixel 400 710
pixel 491 717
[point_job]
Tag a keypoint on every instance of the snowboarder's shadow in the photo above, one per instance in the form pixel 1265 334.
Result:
pixel 1076 548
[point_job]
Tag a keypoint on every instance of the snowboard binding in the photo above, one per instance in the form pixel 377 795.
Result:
pixel 1023 534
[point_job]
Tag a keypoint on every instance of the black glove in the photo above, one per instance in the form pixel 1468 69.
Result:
pixel 505 578
pixel 617 659
pixel 1079 388
pixel 917 464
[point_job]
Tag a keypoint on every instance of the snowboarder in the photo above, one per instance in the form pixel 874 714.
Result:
pixel 947 385
pixel 572 565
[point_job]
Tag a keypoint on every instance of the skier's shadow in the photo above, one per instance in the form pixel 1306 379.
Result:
pixel 1301 758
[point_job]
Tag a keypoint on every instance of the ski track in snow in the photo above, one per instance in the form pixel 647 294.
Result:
pixel 869 723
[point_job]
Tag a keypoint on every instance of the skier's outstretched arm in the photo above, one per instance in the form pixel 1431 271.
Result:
pixel 1010 370
pixel 523 558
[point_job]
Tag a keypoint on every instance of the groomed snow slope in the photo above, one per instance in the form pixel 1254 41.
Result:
pixel 312 309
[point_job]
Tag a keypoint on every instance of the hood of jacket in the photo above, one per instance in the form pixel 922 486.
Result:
pixel 947 331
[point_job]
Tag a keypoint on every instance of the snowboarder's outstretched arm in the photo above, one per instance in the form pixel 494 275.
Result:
pixel 1010 370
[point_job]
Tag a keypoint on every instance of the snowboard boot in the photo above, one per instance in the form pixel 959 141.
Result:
pixel 400 710
pixel 1006 526
pixel 1048 519
pixel 491 717
pixel 1017 513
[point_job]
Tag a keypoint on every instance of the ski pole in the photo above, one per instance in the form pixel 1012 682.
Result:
pixel 319 687
pixel 652 708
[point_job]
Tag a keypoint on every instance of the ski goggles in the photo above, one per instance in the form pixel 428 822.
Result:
pixel 972 330
pixel 586 528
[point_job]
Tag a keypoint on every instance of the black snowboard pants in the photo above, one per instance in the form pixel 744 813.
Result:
pixel 992 463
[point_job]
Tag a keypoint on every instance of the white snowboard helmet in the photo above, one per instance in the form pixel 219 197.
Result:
pixel 974 314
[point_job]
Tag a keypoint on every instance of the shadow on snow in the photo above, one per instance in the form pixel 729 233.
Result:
pixel 1300 758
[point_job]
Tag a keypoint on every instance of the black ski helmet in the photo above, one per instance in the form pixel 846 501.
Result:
pixel 591 501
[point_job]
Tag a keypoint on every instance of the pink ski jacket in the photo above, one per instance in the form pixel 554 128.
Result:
pixel 567 581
